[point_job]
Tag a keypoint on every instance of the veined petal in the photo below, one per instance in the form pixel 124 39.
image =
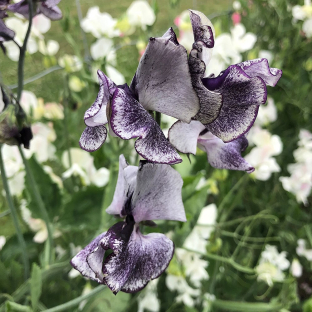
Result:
pixel 170 34
pixel 130 120
pixel 225 155
pixel 92 138
pixel 184 136
pixel 5 32
pixel 79 262
pixel 242 96
pixel 50 10
pixel 157 195
pixel 210 101
pixel 162 82
pixel 260 68
pixel 144 258
pixel 96 114
pixel 126 182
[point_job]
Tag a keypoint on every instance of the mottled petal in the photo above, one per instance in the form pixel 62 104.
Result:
pixel 126 182
pixel 210 101
pixel 5 32
pixel 260 68
pixel 242 96
pixel 158 194
pixel 184 136
pixel 163 83
pixel 143 259
pixel 170 34
pixel 130 120
pixel 50 10
pixel 92 138
pixel 203 31
pixel 96 114
pixel 225 155
pixel 79 262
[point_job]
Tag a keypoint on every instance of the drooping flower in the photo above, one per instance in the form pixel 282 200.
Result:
pixel 6 33
pixel 162 83
pixel 229 103
pixel 150 192
pixel 48 8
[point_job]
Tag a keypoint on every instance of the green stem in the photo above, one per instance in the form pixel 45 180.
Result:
pixel 40 203
pixel 23 52
pixel 230 261
pixel 70 304
pixel 14 217
pixel 158 118
pixel 246 306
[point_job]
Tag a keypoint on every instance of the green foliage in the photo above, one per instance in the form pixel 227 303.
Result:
pixel 35 285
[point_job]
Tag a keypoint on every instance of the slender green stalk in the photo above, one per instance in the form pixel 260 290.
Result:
pixel 158 118
pixel 4 213
pixel 246 306
pixel 14 217
pixel 40 203
pixel 73 303
pixel 23 52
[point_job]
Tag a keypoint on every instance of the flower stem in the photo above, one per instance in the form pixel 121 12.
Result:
pixel 40 203
pixel 246 306
pixel 23 52
pixel 72 303
pixel 14 217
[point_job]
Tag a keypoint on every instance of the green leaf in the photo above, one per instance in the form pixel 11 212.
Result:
pixel 49 191
pixel 15 307
pixel 35 285
pixel 307 307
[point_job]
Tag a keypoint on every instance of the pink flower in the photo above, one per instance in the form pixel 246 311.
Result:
pixel 236 18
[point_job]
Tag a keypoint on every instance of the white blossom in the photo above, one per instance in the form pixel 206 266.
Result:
pixel 140 14
pixel 296 268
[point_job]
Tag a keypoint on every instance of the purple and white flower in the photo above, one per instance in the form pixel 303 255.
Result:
pixel 48 8
pixel 145 193
pixel 6 33
pixel 162 83
pixel 229 103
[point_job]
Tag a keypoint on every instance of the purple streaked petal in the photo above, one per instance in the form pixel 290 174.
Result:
pixel 260 68
pixel 242 96
pixel 158 194
pixel 50 10
pixel 143 258
pixel 5 32
pixel 126 182
pixel 210 101
pixel 20 8
pixel 170 34
pixel 163 83
pixel 225 155
pixel 130 120
pixel 92 138
pixel 79 262
pixel 96 114
pixel 184 136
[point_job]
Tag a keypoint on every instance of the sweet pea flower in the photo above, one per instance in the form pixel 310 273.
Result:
pixel 229 103
pixel 6 33
pixel 164 88
pixel 136 259
pixel 2 241
pixel 148 300
pixel 48 8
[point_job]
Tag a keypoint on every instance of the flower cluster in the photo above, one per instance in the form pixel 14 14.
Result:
pixel 300 181
pixel 304 13
pixel 213 113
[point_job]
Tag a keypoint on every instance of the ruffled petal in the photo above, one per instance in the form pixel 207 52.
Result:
pixel 50 10
pixel 210 101
pixel 79 262
pixel 204 32
pixel 5 33
pixel 260 68
pixel 162 82
pixel 225 155
pixel 130 120
pixel 20 8
pixel 126 183
pixel 144 258
pixel 92 138
pixel 96 114
pixel 157 195
pixel 184 136
pixel 242 96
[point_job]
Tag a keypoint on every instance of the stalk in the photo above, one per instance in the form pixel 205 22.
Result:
pixel 14 217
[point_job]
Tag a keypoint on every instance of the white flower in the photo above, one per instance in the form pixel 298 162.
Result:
pixel 103 47
pixel 236 5
pixel 29 102
pixel 40 25
pixel 302 250
pixel 271 254
pixel 267 113
pixel 17 183
pixel 115 75
pixel 75 84
pixel 241 40
pixel 307 27
pixel 2 241
pixel 71 63
pixel 186 293
pixel 298 12
pixel 148 299
pixel 99 24
pixel 269 273
pixel 51 48
pixel 266 54
pixel 140 14
pixel 296 268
